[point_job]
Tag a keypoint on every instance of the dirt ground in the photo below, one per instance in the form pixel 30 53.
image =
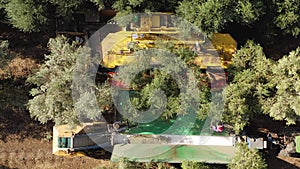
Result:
pixel 37 154
pixel 25 143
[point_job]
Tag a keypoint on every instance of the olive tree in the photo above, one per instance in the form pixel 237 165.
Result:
pixel 213 15
pixel 53 93
pixel 245 158
pixel 250 74
pixel 284 105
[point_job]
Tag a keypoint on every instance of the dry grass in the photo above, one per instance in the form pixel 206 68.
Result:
pixel 18 67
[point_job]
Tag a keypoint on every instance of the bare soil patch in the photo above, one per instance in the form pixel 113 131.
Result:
pixel 37 154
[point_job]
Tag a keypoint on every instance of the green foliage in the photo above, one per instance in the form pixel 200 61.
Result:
pixel 162 88
pixel 251 56
pixel 4 53
pixel 208 15
pixel 26 15
pixel 144 5
pixel 3 48
pixel 124 163
pixel 247 159
pixel 260 85
pixel 64 8
pixel 127 7
pixel 284 105
pixel 247 91
pixel 3 3
pixel 288 18
pixel 204 96
pixel 65 87
pixel 124 16
pixel 193 165
pixel 247 11
pixel 99 3
pixel 93 100
pixel 52 98
pixel 162 166
pixel 33 15
pixel 212 15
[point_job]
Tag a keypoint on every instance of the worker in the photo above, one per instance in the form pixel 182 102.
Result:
pixel 198 48
pixel 218 128
pixel 78 39
pixel 142 36
pixel 270 139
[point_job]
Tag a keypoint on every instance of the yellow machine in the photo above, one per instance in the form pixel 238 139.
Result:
pixel 143 31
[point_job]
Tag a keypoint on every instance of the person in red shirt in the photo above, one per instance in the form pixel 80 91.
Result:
pixel 218 128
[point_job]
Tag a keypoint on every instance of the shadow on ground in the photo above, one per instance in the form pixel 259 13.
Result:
pixel 98 154
pixel 275 162
pixel 32 45
pixel 260 126
pixel 15 121
pixel 5 167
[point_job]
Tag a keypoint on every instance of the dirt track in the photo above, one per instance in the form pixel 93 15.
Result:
pixel 36 154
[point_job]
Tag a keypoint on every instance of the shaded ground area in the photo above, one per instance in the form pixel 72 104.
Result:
pixel 274 46
pixel 29 45
pixel 260 126
pixel 280 48
pixel 15 122
pixel 282 162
